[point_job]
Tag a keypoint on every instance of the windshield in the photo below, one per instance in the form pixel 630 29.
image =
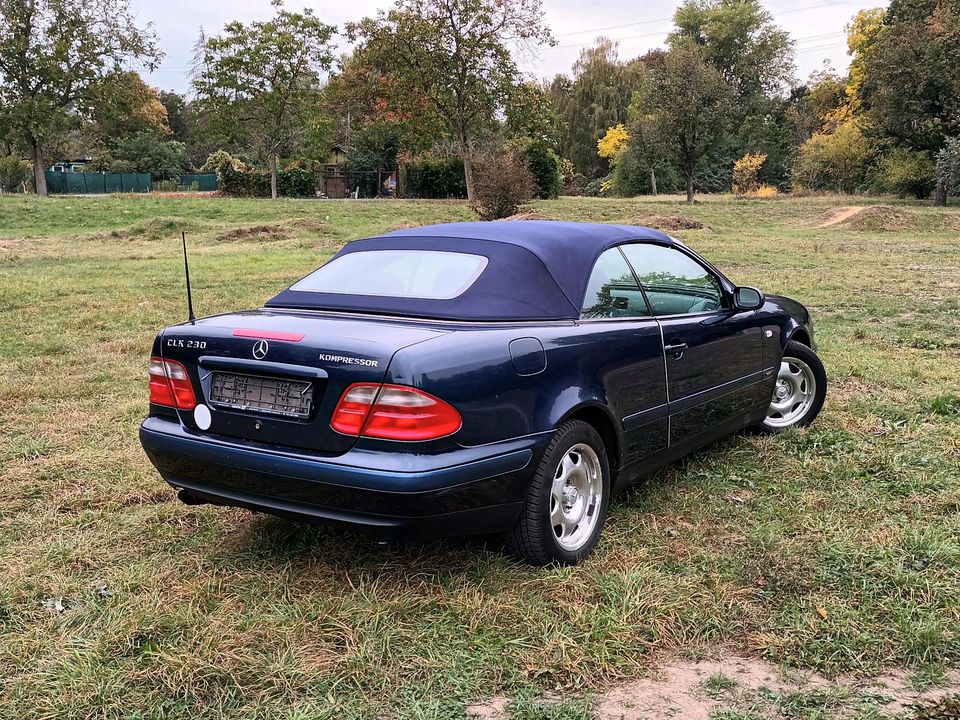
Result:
pixel 425 274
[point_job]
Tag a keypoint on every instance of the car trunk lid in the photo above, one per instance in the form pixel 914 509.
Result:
pixel 276 376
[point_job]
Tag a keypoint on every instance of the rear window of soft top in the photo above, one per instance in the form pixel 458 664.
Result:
pixel 423 274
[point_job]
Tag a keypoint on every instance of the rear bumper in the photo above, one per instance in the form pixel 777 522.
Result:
pixel 466 491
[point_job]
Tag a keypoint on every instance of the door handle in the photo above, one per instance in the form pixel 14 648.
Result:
pixel 676 349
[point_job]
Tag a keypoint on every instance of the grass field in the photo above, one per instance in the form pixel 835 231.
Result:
pixel 835 549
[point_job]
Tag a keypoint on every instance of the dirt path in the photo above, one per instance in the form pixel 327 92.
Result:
pixel 841 214
pixel 736 686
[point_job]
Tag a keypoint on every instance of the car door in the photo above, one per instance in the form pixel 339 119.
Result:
pixel 713 352
pixel 625 356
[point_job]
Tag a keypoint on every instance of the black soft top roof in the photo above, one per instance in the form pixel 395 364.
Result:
pixel 536 269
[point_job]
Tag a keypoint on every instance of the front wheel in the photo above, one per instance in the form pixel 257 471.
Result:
pixel 799 392
pixel 566 504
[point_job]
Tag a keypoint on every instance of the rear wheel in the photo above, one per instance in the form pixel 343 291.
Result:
pixel 566 504
pixel 799 392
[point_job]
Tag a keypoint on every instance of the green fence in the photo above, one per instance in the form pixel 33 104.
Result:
pixel 65 183
pixel 199 181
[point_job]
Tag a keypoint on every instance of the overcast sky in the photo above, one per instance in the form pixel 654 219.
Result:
pixel 816 26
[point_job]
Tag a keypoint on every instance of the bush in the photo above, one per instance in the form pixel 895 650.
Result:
pixel 765 191
pixel 296 182
pixel 833 161
pixel 630 176
pixel 905 172
pixel 14 174
pixel 432 176
pixel 502 184
pixel 746 173
pixel 218 161
pixel 574 184
pixel 596 187
pixel 293 182
pixel 544 165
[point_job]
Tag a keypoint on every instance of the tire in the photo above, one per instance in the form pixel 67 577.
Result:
pixel 799 392
pixel 558 525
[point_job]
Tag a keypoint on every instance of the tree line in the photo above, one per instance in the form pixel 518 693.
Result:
pixel 431 89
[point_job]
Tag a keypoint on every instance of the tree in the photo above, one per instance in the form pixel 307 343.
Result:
pixel 530 113
pixel 455 55
pixel 122 105
pixel 147 153
pixel 688 103
pixel 361 93
pixel 647 148
pixel 615 140
pixel 595 98
pixel 53 53
pixel 178 111
pixel 862 35
pixel 739 39
pixel 260 81
pixel 826 94
pixel 948 167
pixel 910 86
pixel 530 121
pixel 374 146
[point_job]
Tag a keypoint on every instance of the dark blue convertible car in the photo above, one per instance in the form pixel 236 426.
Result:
pixel 476 377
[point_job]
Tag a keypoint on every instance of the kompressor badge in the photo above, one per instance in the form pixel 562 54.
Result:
pixel 349 360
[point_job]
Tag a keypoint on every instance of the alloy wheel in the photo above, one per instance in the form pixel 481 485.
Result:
pixel 793 394
pixel 575 497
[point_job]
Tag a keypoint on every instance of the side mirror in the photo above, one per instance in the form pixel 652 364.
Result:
pixel 747 298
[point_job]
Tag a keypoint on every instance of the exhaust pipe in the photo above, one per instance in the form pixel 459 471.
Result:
pixel 189 499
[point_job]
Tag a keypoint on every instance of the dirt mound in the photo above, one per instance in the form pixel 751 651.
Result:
pixel 868 217
pixel 156 228
pixel 669 223
pixel 880 217
pixel 258 233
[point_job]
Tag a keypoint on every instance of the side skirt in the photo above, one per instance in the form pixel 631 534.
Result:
pixel 651 464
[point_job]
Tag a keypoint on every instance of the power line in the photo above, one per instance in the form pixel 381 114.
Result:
pixel 821 47
pixel 615 27
pixel 670 19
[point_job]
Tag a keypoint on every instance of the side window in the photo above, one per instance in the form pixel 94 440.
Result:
pixel 675 283
pixel 613 291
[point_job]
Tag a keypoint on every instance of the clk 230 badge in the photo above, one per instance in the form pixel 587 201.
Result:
pixel 185 343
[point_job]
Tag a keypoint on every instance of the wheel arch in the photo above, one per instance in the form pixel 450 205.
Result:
pixel 598 416
pixel 801 336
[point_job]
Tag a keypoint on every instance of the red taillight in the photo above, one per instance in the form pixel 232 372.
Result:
pixel 170 384
pixel 393 412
